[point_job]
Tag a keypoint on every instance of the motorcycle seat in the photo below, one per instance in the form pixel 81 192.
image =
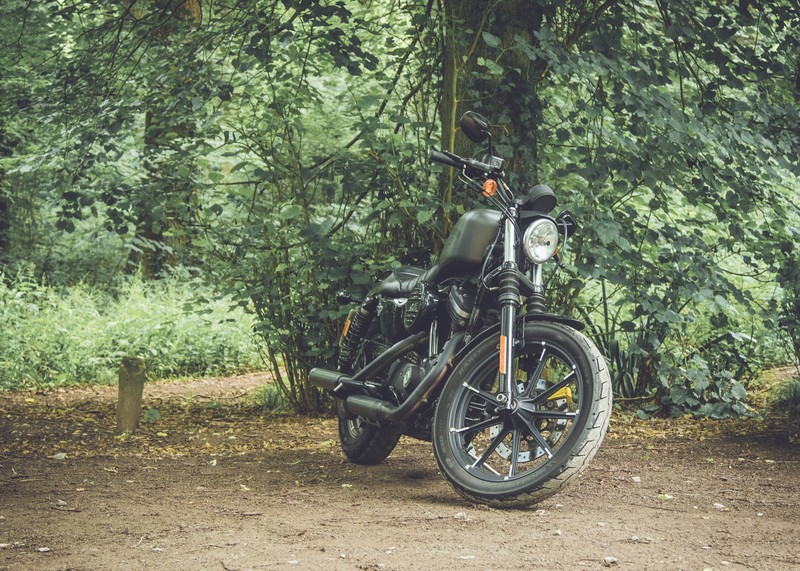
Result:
pixel 400 281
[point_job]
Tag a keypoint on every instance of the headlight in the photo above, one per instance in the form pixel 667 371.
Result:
pixel 540 241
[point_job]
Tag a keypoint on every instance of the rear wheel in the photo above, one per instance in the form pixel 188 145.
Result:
pixel 363 442
pixel 560 413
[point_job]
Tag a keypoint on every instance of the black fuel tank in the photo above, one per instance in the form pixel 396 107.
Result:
pixel 466 246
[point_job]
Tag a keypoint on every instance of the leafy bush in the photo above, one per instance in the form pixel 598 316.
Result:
pixel 787 396
pixel 270 399
pixel 79 334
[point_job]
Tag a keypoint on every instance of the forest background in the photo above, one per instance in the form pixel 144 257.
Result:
pixel 193 180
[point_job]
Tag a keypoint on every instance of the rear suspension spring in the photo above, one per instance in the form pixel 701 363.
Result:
pixel 355 328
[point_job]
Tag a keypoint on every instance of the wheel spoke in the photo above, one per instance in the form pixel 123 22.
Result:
pixel 543 396
pixel 487 466
pixel 531 408
pixel 491 448
pixel 537 436
pixel 537 373
pixel 481 425
pixel 488 397
pixel 516 436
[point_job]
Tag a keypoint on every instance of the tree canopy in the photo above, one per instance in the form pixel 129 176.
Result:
pixel 280 149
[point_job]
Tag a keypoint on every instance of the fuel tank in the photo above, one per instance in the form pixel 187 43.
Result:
pixel 465 248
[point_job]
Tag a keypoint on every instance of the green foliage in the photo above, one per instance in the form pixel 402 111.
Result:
pixel 270 399
pixel 787 396
pixel 281 146
pixel 53 336
pixel 676 158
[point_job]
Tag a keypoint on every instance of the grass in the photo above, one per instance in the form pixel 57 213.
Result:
pixel 53 336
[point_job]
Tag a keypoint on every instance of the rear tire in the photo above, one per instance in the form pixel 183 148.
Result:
pixel 363 442
pixel 561 413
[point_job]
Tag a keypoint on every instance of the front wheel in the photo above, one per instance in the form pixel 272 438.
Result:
pixel 517 456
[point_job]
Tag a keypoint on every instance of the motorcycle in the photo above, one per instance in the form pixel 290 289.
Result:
pixel 515 399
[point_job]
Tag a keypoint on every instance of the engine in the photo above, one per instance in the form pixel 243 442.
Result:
pixel 405 375
pixel 420 308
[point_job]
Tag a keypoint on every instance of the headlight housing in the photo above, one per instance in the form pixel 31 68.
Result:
pixel 540 240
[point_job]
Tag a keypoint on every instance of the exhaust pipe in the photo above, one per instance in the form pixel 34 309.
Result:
pixel 325 379
pixel 377 409
pixel 335 380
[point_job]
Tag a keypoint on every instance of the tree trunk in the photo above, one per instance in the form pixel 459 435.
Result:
pixel 5 204
pixel 509 100
pixel 167 194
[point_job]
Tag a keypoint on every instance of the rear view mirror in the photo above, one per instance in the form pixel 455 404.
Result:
pixel 475 126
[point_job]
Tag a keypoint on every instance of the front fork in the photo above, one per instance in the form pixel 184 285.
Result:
pixel 510 303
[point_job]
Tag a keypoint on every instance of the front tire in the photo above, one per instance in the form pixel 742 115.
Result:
pixel 560 414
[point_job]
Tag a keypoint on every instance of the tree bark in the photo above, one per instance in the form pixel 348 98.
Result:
pixel 5 203
pixel 466 85
pixel 167 192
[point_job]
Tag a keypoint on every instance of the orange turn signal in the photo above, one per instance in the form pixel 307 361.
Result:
pixel 489 188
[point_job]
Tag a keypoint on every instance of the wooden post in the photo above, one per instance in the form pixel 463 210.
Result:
pixel 131 385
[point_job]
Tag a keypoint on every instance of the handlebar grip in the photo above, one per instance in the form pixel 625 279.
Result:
pixel 439 157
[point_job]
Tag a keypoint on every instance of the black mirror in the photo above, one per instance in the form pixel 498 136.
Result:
pixel 566 223
pixel 474 126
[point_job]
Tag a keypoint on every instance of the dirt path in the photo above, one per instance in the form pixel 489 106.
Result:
pixel 213 484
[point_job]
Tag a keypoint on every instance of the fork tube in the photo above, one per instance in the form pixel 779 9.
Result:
pixel 509 302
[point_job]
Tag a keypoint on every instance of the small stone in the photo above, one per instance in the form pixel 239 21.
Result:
pixel 467 557
pixel 609 561
pixel 5 545
pixel 720 507
pixel 343 555
pixel 637 479
pixel 601 524
pixel 61 503
pixel 558 533
pixel 59 456
pixel 43 549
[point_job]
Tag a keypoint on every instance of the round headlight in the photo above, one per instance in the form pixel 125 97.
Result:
pixel 540 240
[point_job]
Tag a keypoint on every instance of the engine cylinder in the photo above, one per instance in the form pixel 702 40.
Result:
pixel 420 308
pixel 460 302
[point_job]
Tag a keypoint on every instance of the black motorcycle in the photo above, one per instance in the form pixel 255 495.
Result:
pixel 515 399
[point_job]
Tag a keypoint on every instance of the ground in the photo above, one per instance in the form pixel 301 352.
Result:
pixel 214 483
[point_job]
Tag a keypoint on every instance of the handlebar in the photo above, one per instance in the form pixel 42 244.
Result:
pixel 457 162
pixel 448 159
